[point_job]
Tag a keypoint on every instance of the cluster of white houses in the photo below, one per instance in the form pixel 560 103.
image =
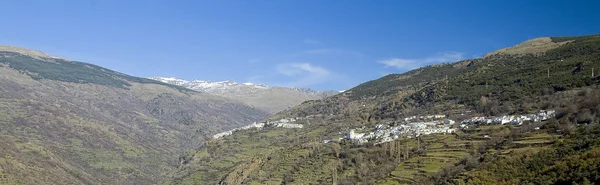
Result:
pixel 429 124
pixel 542 115
pixel 386 132
pixel 284 123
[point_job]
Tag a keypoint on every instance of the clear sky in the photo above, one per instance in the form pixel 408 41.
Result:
pixel 321 44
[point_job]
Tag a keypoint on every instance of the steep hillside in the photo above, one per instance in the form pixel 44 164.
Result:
pixel 67 122
pixel 558 78
pixel 362 99
pixel 270 99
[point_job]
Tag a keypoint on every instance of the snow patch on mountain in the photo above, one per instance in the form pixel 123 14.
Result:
pixel 203 85
pixel 270 99
pixel 171 80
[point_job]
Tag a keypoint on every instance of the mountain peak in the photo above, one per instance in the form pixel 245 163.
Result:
pixel 170 80
pixel 205 84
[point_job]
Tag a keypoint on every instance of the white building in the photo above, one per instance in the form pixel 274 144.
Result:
pixel 449 122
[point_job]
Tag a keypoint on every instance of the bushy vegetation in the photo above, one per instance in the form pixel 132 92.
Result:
pixel 506 84
pixel 516 78
pixel 71 71
pixel 575 159
pixel 392 83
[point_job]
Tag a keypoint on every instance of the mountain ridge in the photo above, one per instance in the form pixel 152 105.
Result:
pixel 68 122
pixel 28 52
pixel 270 99
pixel 532 46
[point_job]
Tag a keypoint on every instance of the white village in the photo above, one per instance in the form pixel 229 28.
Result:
pixel 409 127
pixel 283 123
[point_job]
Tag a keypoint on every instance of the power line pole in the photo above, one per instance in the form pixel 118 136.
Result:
pixel 406 155
pixel 418 143
pixel 548 73
pixel 446 83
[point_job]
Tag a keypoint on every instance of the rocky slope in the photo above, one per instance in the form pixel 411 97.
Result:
pixel 270 99
pixel 67 122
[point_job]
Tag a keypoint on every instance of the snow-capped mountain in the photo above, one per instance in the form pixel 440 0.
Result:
pixel 174 81
pixel 271 99
pixel 202 85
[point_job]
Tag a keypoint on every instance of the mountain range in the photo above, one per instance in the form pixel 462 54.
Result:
pixel 269 99
pixel 70 122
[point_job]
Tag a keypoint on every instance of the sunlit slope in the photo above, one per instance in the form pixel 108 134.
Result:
pixel 66 122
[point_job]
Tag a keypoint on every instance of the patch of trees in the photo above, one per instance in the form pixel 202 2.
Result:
pixel 497 85
pixel 391 84
pixel 563 39
pixel 573 160
pixel 516 79
pixel 370 163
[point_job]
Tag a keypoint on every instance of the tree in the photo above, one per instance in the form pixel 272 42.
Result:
pixel 334 170
pixel 336 149
pixel 584 116
pixel 483 100
pixel 287 178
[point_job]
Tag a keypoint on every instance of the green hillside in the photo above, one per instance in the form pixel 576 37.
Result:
pixel 499 84
pixel 508 83
pixel 71 71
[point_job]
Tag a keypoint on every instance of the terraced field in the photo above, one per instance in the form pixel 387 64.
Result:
pixel 536 139
pixel 442 150
pixel 250 159
pixel 248 147
pixel 247 157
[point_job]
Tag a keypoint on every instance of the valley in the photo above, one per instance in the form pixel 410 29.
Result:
pixel 299 92
pixel 439 124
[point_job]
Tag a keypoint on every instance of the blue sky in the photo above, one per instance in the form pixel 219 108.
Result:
pixel 321 44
